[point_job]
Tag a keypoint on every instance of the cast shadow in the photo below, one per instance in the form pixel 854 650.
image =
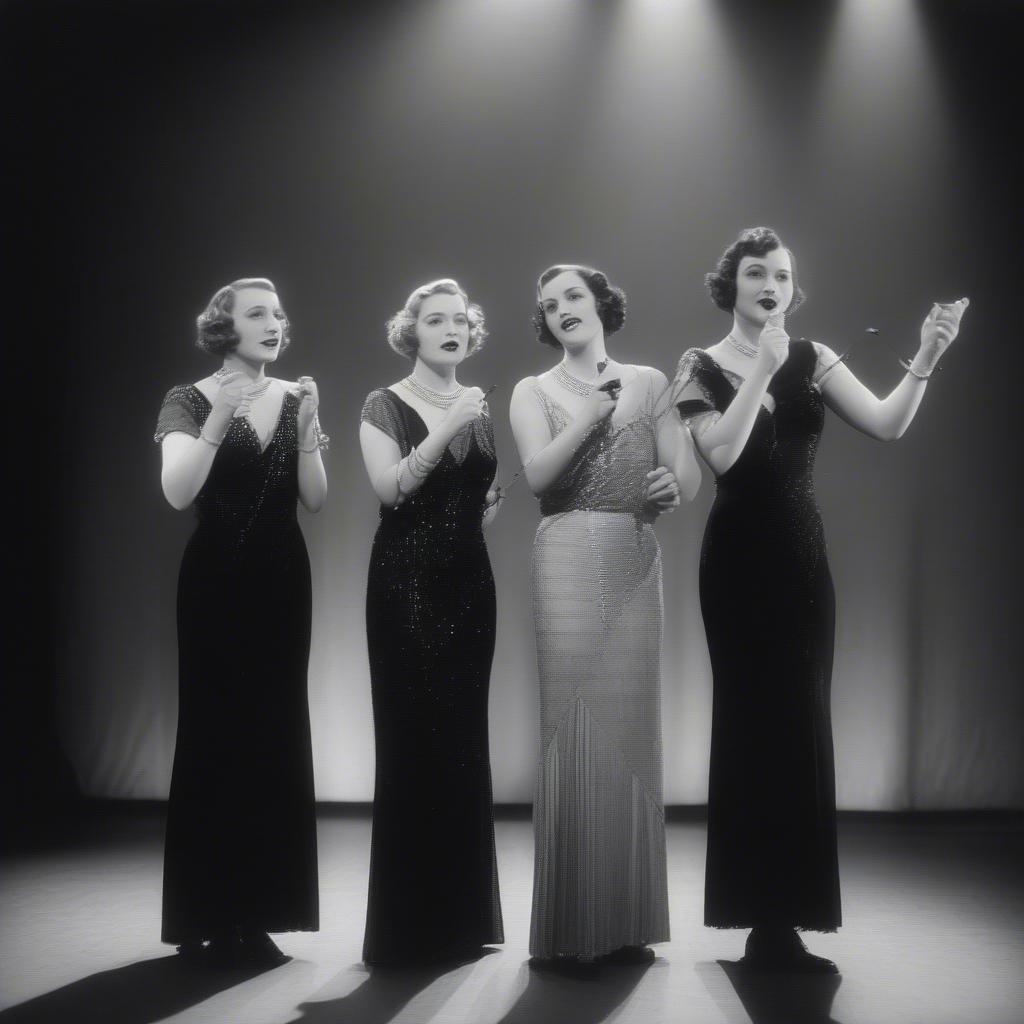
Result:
pixel 768 998
pixel 140 993
pixel 386 992
pixel 553 998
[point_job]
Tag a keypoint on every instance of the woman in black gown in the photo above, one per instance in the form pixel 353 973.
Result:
pixel 428 445
pixel 755 403
pixel 243 448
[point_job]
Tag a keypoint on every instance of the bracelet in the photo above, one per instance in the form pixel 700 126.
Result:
pixel 309 451
pixel 418 465
pixel 909 367
pixel 212 444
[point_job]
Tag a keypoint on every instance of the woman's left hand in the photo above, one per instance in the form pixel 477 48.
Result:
pixel 662 490
pixel 309 402
pixel 940 328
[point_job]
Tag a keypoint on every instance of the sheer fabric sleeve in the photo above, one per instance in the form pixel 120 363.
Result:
pixel 691 395
pixel 178 413
pixel 380 412
pixel 825 361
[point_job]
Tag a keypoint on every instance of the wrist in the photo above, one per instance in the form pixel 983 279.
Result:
pixel 924 361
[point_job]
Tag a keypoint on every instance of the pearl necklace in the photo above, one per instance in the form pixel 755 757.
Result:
pixel 438 399
pixel 742 347
pixel 571 383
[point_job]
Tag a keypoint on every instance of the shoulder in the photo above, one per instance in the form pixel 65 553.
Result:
pixel 650 373
pixel 527 386
pixel 187 395
pixel 691 359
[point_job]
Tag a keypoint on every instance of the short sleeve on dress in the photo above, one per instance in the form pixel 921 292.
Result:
pixel 691 394
pixel 379 411
pixel 177 413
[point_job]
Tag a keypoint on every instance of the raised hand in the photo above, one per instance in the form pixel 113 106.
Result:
pixel 939 330
pixel 468 406
pixel 234 394
pixel 773 344
pixel 599 406
pixel 309 402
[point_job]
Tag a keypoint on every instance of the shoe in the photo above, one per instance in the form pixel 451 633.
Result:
pixel 260 950
pixel 784 952
pixel 569 965
pixel 628 956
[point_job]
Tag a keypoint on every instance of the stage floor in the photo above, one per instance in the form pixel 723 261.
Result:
pixel 934 933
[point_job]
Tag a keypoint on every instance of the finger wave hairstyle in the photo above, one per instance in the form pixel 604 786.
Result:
pixel 215 328
pixel 611 301
pixel 721 282
pixel 401 327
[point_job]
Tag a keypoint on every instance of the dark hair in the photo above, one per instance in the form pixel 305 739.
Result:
pixel 751 242
pixel 215 327
pixel 402 326
pixel 611 301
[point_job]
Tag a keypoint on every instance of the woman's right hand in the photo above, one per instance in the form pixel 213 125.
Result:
pixel 468 406
pixel 234 395
pixel 773 344
pixel 599 406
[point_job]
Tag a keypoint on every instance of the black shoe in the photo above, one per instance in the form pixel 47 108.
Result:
pixel 259 950
pixel 628 956
pixel 783 951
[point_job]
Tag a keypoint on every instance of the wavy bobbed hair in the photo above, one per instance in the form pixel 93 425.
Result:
pixel 215 327
pixel 721 282
pixel 611 301
pixel 401 327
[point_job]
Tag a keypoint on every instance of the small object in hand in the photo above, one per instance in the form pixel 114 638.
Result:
pixel 489 390
pixel 612 387
pixel 872 330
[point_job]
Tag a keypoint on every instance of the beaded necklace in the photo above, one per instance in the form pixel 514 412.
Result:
pixel 438 399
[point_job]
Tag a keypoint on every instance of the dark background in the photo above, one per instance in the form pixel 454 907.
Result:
pixel 157 150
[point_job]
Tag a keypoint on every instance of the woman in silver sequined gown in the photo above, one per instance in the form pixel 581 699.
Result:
pixel 592 456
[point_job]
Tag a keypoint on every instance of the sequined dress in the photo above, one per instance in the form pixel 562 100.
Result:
pixel 241 827
pixel 769 614
pixel 599 820
pixel 430 617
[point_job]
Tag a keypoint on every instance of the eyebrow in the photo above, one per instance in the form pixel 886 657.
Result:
pixel 258 306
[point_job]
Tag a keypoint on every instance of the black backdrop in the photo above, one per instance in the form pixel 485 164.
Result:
pixel 157 150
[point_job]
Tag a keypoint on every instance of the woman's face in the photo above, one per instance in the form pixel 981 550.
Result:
pixel 442 330
pixel 259 323
pixel 764 285
pixel 570 309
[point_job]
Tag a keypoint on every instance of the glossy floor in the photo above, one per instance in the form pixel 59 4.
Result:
pixel 934 933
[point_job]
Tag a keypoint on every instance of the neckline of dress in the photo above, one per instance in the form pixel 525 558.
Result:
pixel 426 428
pixel 271 437
pixel 616 427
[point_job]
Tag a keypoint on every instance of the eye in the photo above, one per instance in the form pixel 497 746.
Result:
pixel 280 315
pixel 783 275
pixel 461 320
pixel 549 307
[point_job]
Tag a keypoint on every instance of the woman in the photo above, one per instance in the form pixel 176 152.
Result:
pixel 755 403
pixel 428 446
pixel 242 447
pixel 591 437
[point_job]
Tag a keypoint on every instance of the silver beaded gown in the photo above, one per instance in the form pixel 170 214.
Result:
pixel 599 819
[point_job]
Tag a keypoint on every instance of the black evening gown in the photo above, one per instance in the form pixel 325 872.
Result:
pixel 769 613
pixel 241 826
pixel 430 615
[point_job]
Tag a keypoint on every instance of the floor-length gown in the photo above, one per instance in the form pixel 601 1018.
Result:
pixel 599 821
pixel 241 823
pixel 430 618
pixel 769 614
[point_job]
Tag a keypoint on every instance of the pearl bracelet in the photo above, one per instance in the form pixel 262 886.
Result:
pixel 212 444
pixel 909 367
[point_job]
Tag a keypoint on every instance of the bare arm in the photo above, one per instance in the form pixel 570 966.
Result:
pixel 675 445
pixel 312 475
pixel 544 458
pixel 186 460
pixel 887 419
pixel 395 478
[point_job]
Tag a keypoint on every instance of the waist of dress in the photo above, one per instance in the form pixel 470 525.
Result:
pixel 613 517
pixel 222 519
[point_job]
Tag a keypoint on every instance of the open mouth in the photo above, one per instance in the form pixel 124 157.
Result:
pixel 570 323
pixel 451 346
pixel 768 304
